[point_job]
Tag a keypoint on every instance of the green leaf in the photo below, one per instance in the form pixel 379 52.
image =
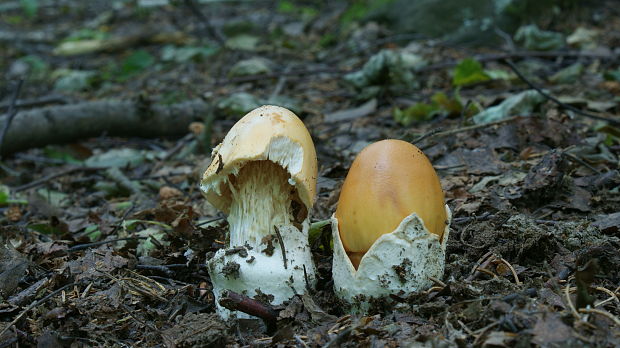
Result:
pixel 30 7
pixel 130 225
pixel 387 72
pixel 498 74
pixel 54 152
pixel 92 232
pixel 452 106
pixel 145 246
pixel 251 66
pixel 117 158
pixel 539 40
pixel 415 113
pixel 184 54
pixel 45 229
pixel 469 71
pixel 287 7
pixel 135 64
pixel 38 68
pixel 316 228
pixel 521 104
pixel 569 74
pixel 86 34
pixel 54 198
pixel 5 197
pixel 612 75
pixel 243 42
pixel 73 80
pixel 122 206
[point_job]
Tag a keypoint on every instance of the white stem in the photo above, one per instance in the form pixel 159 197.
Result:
pixel 261 199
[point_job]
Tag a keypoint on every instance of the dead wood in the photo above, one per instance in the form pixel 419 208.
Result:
pixel 67 123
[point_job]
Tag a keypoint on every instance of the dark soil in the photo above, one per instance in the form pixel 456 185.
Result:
pixel 114 254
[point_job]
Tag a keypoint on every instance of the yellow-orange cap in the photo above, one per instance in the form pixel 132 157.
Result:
pixel 270 133
pixel 388 181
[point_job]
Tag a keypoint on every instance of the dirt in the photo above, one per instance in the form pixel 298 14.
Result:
pixel 105 240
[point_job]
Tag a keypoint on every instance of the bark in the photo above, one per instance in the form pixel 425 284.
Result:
pixel 68 123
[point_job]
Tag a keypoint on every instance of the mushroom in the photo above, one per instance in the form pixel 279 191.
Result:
pixel 391 225
pixel 263 175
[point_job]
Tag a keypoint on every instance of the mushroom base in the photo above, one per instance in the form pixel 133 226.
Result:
pixel 260 271
pixel 398 262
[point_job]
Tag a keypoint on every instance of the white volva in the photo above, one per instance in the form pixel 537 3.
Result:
pixel 402 260
pixel 263 175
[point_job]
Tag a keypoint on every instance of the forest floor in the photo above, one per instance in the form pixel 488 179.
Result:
pixel 105 238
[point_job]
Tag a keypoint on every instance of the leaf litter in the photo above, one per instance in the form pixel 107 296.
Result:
pixel 115 254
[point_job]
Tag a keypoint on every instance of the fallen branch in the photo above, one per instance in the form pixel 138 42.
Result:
pixel 565 106
pixel 237 302
pixel 67 123
pixel 51 177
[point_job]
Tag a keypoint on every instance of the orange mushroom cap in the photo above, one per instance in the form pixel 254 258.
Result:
pixel 388 181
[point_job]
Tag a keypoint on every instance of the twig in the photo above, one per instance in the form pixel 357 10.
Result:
pixel 474 127
pixel 612 296
pixel 462 239
pixel 486 271
pixel 90 245
pixel 580 161
pixel 306 280
pixel 45 100
pixel 281 242
pixel 514 272
pixel 147 325
pixel 336 341
pixel 178 146
pixel 426 135
pixel 210 221
pixel 11 112
pixel 437 281
pixel 211 30
pixel 601 312
pixel 280 84
pixel 568 300
pixel 522 54
pixel 484 216
pixel 483 332
pixel 116 175
pixel 481 263
pixel 34 304
pixel 160 268
pixel 54 176
pixel 242 303
pixel 122 219
pixel 511 65
pixel 468 330
pixel 300 342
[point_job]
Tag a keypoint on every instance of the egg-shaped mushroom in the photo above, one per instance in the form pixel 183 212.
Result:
pixel 388 181
pixel 391 225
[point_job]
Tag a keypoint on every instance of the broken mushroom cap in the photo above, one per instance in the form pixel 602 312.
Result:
pixel 263 174
pixel 388 181
pixel 270 133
